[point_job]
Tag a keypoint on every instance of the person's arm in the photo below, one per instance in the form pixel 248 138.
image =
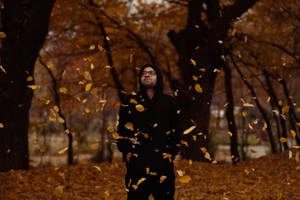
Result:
pixel 174 137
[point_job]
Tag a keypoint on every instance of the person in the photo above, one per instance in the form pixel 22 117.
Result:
pixel 149 138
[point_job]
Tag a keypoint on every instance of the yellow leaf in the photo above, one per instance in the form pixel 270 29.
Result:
pixel 92 47
pixel 285 109
pixel 293 133
pixel 110 128
pixel 60 120
pixel 1 125
pixel 155 125
pixel 229 133
pixel 185 179
pixel 198 88
pixel 153 173
pixel 162 178
pixel 88 86
pixel 87 110
pixel 116 136
pixel 129 126
pixel 29 78
pixel 63 150
pixel 193 62
pixel 223 58
pixel 298 124
pixel 180 173
pixel 100 47
pixel 203 149
pixel 244 114
pixel 194 137
pixel 2 35
pixel 248 105
pixel 265 126
pixel 98 168
pixel 133 101
pixel 195 78
pixel 94 91
pixel 282 139
pixel 187 131
pixel 139 107
pixel 63 90
pixel 87 76
pixel 202 69
pixel 1 67
pixel 207 156
pixel 32 86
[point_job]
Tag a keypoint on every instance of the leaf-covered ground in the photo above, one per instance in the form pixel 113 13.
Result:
pixel 270 177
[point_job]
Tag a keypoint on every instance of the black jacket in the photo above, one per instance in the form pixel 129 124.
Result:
pixel 148 128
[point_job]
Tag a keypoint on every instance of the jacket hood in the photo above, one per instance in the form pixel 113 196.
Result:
pixel 159 84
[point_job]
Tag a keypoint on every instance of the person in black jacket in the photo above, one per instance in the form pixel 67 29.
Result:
pixel 149 138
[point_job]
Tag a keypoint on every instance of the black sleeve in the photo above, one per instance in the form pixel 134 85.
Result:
pixel 123 143
pixel 174 137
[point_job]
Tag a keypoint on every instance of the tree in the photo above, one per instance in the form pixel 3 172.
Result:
pixel 25 24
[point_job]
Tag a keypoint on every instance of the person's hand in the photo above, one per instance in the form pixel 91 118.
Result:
pixel 128 155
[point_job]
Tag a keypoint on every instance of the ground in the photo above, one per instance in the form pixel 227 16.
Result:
pixel 269 177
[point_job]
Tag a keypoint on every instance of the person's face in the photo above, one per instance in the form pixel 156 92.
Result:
pixel 149 77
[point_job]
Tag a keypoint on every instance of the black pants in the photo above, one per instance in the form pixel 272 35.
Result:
pixel 151 185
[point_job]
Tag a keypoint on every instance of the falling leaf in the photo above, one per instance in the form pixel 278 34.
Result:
pixel 185 179
pixel 298 124
pixel 133 101
pixel 223 58
pixel 100 47
pixel 87 110
pixel 87 76
pixel 207 156
pixel 29 78
pixel 2 35
pixel 203 149
pixel 110 128
pixel 283 139
pixel 98 168
pixel 187 131
pixel 244 114
pixel 88 86
pixel 139 107
pixel 229 133
pixel 194 138
pixel 63 90
pixel 293 132
pixel 63 150
pixel 268 99
pixel 155 125
pixel 92 47
pixel 129 126
pixel 216 70
pixel 180 173
pixel 265 126
pixel 1 67
pixel 1 125
pixel 290 154
pixel 162 178
pixel 202 69
pixel 198 88
pixel 250 126
pixel 32 86
pixel 195 78
pixel 184 143
pixel 193 62
pixel 248 105
pixel 94 91
pixel 60 120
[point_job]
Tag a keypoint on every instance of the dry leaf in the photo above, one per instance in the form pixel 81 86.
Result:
pixel 282 139
pixel 198 88
pixel 63 90
pixel 87 76
pixel 185 179
pixel 193 62
pixel 187 131
pixel 88 86
pixel 139 107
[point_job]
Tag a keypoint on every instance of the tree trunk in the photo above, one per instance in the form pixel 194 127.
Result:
pixel 230 116
pixel 260 108
pixel 26 25
pixel 199 41
pixel 274 100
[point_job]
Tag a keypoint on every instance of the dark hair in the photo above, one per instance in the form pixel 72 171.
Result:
pixel 159 84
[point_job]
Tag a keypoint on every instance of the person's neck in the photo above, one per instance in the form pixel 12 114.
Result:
pixel 150 93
